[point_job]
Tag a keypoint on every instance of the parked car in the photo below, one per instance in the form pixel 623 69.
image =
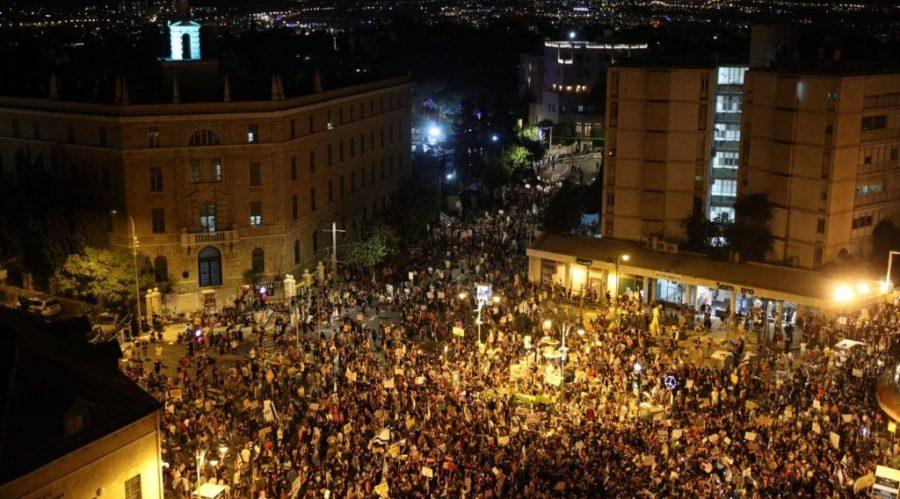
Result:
pixel 41 305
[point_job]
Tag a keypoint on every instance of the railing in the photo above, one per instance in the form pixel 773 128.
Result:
pixel 880 166
pixel 219 236
pixel 879 197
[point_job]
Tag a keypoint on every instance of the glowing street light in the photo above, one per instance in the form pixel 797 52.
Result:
pixel 571 35
pixel 862 288
pixel 843 293
pixel 495 137
pixel 434 131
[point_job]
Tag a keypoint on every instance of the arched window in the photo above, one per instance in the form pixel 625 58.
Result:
pixel 204 138
pixel 210 261
pixel 161 269
pixel 258 261
pixel 186 47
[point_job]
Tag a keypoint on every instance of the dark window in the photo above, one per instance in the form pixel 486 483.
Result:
pixel 133 487
pixel 70 133
pixel 204 138
pixel 330 190
pixel 352 181
pixel 312 199
pixel 341 151
pixel 312 162
pixel 362 143
pixel 315 241
pixel 161 269
pixel 381 137
pixel 312 124
pixel 294 209
pixel 874 122
pixel 701 118
pixel 156 179
pixel 36 129
pixel 894 153
pixel 293 129
pixel 255 173
pixel 341 186
pixel 258 260
pixel 296 251
pixel 382 168
pixel 159 220
pixel 330 155
pixel 153 137
pixel 101 132
pixel 352 147
pixel 255 213
pixel 106 178
pixel 820 226
pixel 362 176
pixel 194 166
pixel 293 167
pixel 372 173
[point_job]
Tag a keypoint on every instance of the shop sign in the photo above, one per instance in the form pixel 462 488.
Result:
pixel 667 277
pixel 748 291
pixel 723 286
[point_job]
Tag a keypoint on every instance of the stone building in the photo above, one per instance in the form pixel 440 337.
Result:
pixel 220 188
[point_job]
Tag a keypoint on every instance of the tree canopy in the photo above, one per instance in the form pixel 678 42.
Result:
pixel 103 276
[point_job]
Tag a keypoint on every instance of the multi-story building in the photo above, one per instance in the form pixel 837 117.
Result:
pixel 822 142
pixel 220 189
pixel 73 424
pixel 659 121
pixel 566 82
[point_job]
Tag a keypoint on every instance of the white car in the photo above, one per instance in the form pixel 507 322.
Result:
pixel 44 306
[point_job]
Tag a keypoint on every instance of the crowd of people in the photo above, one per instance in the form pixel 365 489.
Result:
pixel 379 387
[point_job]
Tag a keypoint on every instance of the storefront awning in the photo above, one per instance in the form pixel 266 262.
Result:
pixel 804 287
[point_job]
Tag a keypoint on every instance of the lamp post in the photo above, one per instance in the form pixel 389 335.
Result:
pixel 137 286
pixel 621 257
pixel 887 275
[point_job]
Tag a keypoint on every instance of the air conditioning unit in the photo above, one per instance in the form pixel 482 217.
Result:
pixel 672 247
pixel 661 245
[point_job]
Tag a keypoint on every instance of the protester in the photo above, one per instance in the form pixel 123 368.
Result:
pixel 362 385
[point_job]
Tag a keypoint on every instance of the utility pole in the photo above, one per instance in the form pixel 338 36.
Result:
pixel 334 230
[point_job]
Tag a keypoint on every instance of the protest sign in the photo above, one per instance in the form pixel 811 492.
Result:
pixel 427 472
pixel 389 383
pixel 458 331
pixel 382 488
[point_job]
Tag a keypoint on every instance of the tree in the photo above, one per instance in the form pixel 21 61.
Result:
pixel 564 210
pixel 516 157
pixel 700 230
pixel 367 248
pixel 414 205
pixel 749 235
pixel 885 238
pixel 43 220
pixel 103 276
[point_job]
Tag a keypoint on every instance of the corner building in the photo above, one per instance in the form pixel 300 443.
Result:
pixel 822 142
pixel 217 189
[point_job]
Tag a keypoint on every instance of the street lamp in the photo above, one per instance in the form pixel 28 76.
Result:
pixel 887 275
pixel 137 286
pixel 571 35
pixel 495 137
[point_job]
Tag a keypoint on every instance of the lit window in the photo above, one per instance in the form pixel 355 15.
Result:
pixel 255 213
pixel 252 134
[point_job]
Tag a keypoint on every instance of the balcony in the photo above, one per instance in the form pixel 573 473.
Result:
pixel 197 238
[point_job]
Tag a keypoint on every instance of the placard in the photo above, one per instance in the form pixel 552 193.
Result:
pixel 427 472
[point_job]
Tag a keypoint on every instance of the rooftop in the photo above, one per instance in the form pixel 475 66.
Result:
pixel 46 373
pixel 796 285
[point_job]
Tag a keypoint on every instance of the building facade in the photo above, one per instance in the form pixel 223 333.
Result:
pixel 823 145
pixel 217 190
pixel 566 82
pixel 726 138
pixel 659 124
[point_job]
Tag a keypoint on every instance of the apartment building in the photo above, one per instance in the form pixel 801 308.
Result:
pixel 822 141
pixel 565 81
pixel 659 124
